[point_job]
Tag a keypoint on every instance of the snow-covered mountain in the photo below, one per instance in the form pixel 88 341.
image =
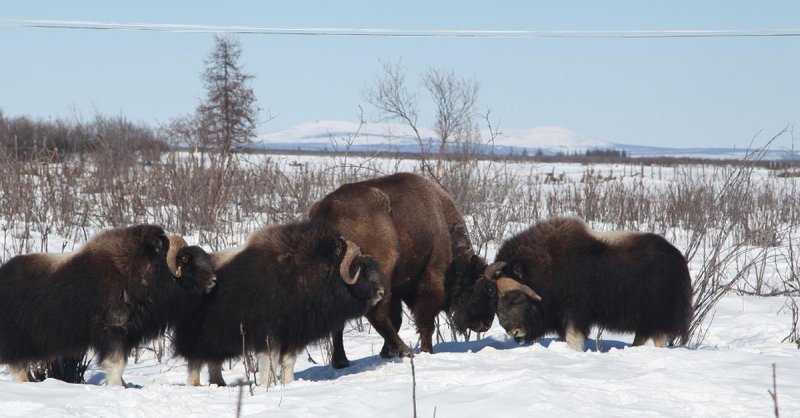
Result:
pixel 333 135
pixel 337 135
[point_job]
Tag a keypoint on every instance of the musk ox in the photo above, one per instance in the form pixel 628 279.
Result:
pixel 170 301
pixel 412 228
pixel 287 286
pixel 567 278
pixel 61 305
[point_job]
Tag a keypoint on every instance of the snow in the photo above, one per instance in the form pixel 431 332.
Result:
pixel 728 374
pixel 326 134
pixel 555 138
pixel 341 134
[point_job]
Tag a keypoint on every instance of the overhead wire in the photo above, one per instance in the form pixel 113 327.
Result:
pixel 410 33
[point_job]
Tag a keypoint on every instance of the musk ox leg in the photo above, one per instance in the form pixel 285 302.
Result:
pixel 287 367
pixel 575 338
pixel 215 373
pixel 396 313
pixel 380 319
pixel 660 340
pixel 268 364
pixel 380 315
pixel 339 358
pixel 114 365
pixel 20 372
pixel 194 367
pixel 430 299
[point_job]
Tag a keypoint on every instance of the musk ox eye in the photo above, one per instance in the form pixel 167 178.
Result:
pixel 185 258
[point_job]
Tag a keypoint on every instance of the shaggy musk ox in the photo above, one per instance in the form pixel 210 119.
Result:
pixel 412 228
pixel 287 286
pixel 574 278
pixel 170 301
pixel 61 305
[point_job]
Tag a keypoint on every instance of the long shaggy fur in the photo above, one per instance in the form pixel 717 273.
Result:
pixel 111 295
pixel 171 301
pixel 405 222
pixel 282 290
pixel 61 305
pixel 622 281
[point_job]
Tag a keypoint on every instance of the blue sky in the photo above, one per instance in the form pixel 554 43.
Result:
pixel 671 92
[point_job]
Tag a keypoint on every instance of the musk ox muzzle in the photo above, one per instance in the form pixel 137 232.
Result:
pixel 520 316
pixel 370 285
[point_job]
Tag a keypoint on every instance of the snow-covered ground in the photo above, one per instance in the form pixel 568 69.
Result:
pixel 727 376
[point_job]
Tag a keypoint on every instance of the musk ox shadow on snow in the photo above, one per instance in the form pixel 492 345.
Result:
pixel 414 231
pixel 567 278
pixel 287 286
pixel 100 297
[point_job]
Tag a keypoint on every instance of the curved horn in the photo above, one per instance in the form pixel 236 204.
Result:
pixel 176 242
pixel 493 268
pixel 506 284
pixel 344 269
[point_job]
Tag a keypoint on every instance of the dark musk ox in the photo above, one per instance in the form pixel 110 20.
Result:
pixel 61 305
pixel 170 301
pixel 287 286
pixel 470 288
pixel 573 278
pixel 413 229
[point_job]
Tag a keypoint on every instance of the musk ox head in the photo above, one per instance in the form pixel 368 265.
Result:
pixel 520 316
pixel 519 308
pixel 359 272
pixel 190 266
pixel 474 295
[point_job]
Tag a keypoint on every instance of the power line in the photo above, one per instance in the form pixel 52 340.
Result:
pixel 409 33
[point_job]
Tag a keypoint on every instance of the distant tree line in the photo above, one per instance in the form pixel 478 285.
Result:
pixel 24 138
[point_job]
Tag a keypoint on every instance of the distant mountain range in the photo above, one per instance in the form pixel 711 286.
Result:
pixel 332 135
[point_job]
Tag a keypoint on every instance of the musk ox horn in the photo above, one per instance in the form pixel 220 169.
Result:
pixel 176 242
pixel 492 269
pixel 344 269
pixel 506 284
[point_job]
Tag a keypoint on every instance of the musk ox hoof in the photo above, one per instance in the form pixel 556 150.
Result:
pixel 389 352
pixel 340 363
pixel 404 352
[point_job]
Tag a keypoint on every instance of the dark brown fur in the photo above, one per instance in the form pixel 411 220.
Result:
pixel 61 305
pixel 623 281
pixel 404 222
pixel 276 294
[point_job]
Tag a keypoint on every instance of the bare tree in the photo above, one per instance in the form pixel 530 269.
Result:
pixel 453 98
pixel 455 101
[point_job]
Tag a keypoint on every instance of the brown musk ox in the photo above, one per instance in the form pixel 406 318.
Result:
pixel 61 305
pixel 287 286
pixel 413 229
pixel 567 278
